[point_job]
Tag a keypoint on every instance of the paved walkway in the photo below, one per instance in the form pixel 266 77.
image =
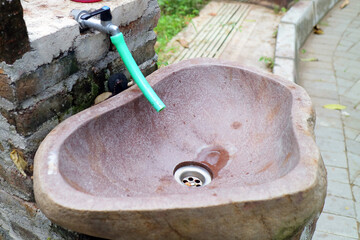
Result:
pixel 335 78
pixel 230 30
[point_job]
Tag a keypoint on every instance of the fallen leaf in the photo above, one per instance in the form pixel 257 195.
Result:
pixel 309 59
pixel 249 20
pixel 334 106
pixel 344 4
pixel 102 97
pixel 318 30
pixel 1 71
pixel 213 14
pixel 19 161
pixel 183 43
pixel 347 208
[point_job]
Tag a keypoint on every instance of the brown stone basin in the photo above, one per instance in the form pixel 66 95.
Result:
pixel 108 171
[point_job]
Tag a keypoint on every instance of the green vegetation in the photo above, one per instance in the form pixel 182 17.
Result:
pixel 269 61
pixel 279 10
pixel 175 15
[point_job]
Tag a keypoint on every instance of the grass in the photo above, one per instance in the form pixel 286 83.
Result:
pixel 175 15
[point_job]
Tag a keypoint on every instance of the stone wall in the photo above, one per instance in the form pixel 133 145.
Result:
pixel 61 75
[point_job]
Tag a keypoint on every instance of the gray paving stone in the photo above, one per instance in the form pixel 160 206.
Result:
pixel 352 70
pixel 343 62
pixel 344 85
pixel 334 159
pixel 330 145
pixel 354 92
pixel 337 174
pixel 337 133
pixel 357 211
pixel 347 55
pixel 327 58
pixel 329 133
pixel 347 75
pixel 349 70
pixel 340 206
pixel 342 48
pixel 352 123
pixel 327 236
pixel 323 112
pixel 339 190
pixel 354 113
pixel 349 102
pixel 347 42
pixel 351 133
pixel 305 76
pixel 337 225
pixel 322 47
pixel 318 65
pixel 320 102
pixel 353 147
pixel 356 193
pixel 329 122
pixel 318 92
pixel 354 166
pixel 357 183
pixel 353 35
pixel 320 71
pixel 333 122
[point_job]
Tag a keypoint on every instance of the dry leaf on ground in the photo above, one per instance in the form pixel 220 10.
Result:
pixel 344 4
pixel 213 14
pixel 183 43
pixel 318 30
pixel 309 59
pixel 19 161
pixel 334 106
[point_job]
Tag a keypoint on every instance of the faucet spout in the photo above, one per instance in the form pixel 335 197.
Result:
pixel 104 24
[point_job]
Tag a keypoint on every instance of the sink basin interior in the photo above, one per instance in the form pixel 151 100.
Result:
pixel 236 122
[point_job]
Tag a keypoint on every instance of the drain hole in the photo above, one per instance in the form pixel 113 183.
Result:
pixel 192 175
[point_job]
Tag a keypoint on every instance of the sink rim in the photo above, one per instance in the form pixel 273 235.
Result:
pixel 52 189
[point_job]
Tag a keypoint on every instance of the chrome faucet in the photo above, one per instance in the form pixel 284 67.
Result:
pixel 104 24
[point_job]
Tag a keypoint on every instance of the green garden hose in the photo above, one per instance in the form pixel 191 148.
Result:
pixel 119 42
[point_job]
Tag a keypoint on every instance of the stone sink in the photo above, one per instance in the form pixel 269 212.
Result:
pixel 109 170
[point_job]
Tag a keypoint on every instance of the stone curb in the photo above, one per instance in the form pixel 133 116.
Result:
pixel 294 28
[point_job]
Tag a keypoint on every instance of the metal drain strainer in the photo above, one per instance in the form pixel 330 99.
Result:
pixel 192 176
